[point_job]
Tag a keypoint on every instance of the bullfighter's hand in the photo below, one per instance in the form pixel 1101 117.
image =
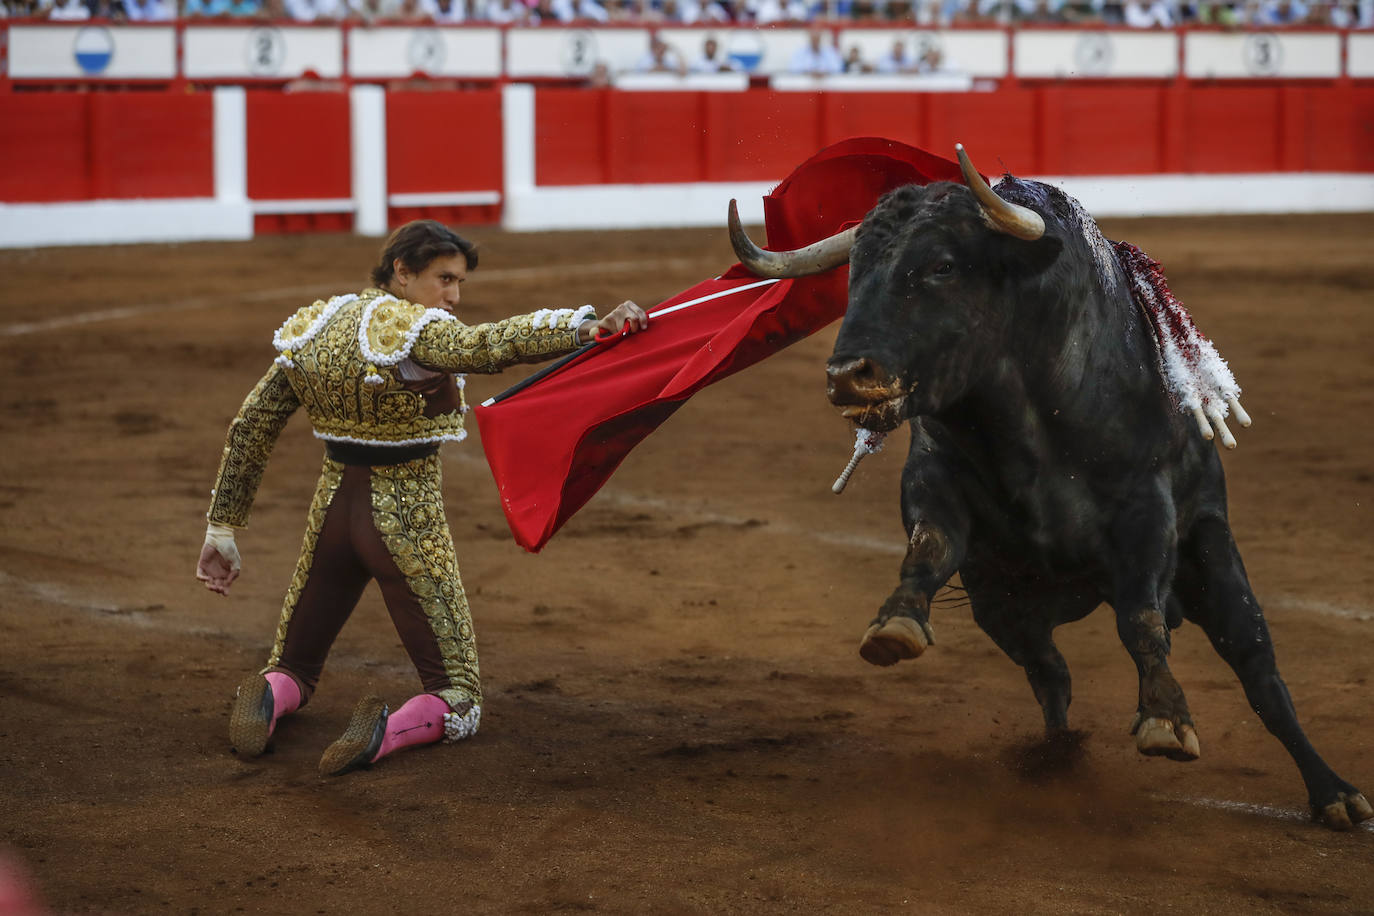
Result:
pixel 626 316
pixel 219 559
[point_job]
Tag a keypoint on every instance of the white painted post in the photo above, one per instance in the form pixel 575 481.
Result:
pixel 231 144
pixel 367 109
pixel 517 150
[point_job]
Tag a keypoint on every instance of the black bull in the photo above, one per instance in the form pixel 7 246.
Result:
pixel 1048 465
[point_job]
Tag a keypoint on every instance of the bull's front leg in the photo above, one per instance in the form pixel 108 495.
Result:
pixel 1144 556
pixel 937 525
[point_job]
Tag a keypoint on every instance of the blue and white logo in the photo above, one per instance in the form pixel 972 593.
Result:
pixel 94 48
pixel 746 49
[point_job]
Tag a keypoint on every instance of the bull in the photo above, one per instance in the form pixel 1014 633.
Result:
pixel 1050 465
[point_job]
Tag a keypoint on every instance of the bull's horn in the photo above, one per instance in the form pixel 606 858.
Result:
pixel 1004 216
pixel 815 258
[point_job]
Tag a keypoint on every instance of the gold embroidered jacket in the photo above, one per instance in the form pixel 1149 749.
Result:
pixel 373 369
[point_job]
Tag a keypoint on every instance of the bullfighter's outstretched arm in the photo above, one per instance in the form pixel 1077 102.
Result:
pixel 457 347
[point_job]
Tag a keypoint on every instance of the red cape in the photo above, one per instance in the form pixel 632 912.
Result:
pixel 552 445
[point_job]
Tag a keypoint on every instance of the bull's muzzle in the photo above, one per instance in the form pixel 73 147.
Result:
pixel 865 393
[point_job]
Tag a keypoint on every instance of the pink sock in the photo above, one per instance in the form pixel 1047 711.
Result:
pixel 419 721
pixel 286 696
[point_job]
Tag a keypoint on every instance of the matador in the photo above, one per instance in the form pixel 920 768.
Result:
pixel 380 375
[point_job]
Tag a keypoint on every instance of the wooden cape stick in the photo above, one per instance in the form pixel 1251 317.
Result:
pixel 588 348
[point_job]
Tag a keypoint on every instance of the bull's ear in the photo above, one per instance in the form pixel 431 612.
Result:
pixel 1034 257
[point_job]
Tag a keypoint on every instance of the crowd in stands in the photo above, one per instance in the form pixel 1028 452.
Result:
pixel 1133 13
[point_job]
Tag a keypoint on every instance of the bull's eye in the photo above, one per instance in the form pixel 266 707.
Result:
pixel 944 268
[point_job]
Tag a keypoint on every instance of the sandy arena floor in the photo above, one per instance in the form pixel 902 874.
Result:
pixel 677 719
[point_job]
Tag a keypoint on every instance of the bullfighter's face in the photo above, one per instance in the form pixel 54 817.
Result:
pixel 436 286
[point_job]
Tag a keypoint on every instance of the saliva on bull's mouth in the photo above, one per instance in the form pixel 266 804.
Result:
pixel 866 394
pixel 880 416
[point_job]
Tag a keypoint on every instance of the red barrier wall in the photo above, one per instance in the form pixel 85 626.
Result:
pixel 44 148
pixel 593 137
pixel 57 146
pixel 298 145
pixel 443 141
pixel 73 147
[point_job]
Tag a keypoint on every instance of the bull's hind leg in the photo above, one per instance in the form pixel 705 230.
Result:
pixel 1215 594
pixel 937 524
pixel 1020 616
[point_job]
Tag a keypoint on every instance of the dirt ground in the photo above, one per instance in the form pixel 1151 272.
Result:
pixel 677 719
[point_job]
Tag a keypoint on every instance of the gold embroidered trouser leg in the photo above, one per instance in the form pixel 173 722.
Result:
pixel 421 583
pixel 324 602
pixel 385 523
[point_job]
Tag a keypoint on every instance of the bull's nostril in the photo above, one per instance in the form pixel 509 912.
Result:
pixel 853 381
pixel 855 373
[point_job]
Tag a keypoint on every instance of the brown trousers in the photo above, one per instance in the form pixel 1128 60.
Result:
pixel 383 523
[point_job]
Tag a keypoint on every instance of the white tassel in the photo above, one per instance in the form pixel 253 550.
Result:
pixel 866 442
pixel 457 727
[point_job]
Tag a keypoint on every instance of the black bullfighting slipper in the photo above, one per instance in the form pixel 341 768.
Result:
pixel 250 721
pixel 360 741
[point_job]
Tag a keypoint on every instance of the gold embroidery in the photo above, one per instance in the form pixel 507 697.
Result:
pixel 457 347
pixel 327 371
pixel 330 477
pixel 408 510
pixel 299 323
pixel 389 329
pixel 248 445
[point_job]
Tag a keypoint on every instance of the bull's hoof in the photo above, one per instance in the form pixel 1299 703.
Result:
pixel 1347 811
pixel 890 641
pixel 1156 737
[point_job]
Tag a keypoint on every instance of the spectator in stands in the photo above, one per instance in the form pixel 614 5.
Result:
pixel 764 12
pixel 1147 14
pixel 1347 14
pixel 692 12
pixel 818 56
pixel 445 12
pixel 587 11
pixel 507 12
pixel 69 11
pixel 1004 11
pixel 107 10
pixel 367 11
pixel 150 10
pixel 233 9
pixel 543 12
pixel 1049 11
pixel 854 61
pixel 660 58
pixel 316 10
pixel 896 60
pixel 940 13
pixel 1279 13
pixel 600 77
pixel 712 59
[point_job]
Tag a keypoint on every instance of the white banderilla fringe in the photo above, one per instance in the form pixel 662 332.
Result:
pixel 866 442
